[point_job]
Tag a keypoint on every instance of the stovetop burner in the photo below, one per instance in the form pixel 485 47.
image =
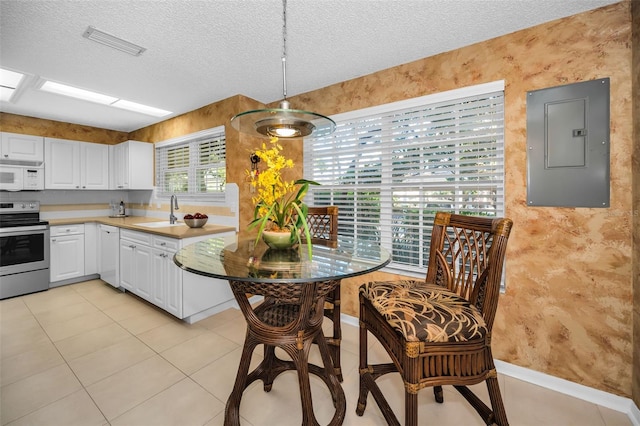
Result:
pixel 20 213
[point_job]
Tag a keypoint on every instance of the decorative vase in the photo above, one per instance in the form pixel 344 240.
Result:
pixel 279 239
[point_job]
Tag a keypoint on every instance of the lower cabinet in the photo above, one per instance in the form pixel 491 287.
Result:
pixel 135 263
pixel 66 252
pixel 167 283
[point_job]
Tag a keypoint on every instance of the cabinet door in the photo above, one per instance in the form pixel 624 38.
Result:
pixel 108 255
pixel 67 257
pixel 173 275
pixel 127 264
pixel 121 168
pixel 143 272
pixel 17 147
pixel 90 248
pixel 159 280
pixel 167 283
pixel 62 164
pixel 94 165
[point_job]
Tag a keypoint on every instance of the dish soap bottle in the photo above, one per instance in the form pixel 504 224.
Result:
pixel 121 211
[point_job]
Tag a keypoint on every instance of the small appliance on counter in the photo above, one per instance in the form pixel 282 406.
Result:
pixel 118 210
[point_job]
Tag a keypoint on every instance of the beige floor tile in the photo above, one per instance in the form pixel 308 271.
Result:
pixel 40 358
pixel 106 297
pixel 234 331
pixel 182 404
pixel 87 322
pixel 58 297
pixel 36 391
pixel 90 286
pixel 14 308
pixel 95 366
pixel 128 388
pixel 192 355
pixel 67 313
pixel 19 326
pixel 523 401
pixel 221 318
pixel 168 335
pixel 219 421
pixel 219 376
pixel 76 409
pixel 91 341
pixel 138 324
pixel 16 343
pixel 129 306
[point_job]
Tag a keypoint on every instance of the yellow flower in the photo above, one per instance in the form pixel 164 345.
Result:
pixel 278 202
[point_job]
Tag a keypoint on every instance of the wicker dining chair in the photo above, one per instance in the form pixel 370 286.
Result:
pixel 323 227
pixel 438 331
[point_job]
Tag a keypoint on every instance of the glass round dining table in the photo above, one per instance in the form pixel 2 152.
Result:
pixel 290 316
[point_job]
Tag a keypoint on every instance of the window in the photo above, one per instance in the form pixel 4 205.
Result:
pixel 193 164
pixel 390 168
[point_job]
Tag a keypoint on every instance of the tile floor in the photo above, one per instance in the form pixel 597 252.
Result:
pixel 87 354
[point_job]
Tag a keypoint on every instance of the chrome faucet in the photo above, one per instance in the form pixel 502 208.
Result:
pixel 174 204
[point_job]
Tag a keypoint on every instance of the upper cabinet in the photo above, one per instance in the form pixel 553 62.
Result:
pixel 21 149
pixel 75 165
pixel 132 165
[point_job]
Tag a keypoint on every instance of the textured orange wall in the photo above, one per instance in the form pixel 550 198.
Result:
pixel 567 310
pixel 56 129
pixel 635 11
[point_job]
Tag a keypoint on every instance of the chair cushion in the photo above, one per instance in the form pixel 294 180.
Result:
pixel 425 312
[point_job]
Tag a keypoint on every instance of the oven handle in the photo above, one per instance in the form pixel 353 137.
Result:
pixel 22 229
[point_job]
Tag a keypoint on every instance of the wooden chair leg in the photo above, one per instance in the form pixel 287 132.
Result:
pixel 437 392
pixel 499 413
pixel 410 408
pixel 363 365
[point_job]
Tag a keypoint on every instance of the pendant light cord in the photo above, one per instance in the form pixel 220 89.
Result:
pixel 284 49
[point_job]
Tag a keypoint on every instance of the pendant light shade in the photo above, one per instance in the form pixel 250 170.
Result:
pixel 283 122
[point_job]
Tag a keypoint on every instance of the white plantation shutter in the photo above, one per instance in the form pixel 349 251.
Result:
pixel 194 164
pixel 390 168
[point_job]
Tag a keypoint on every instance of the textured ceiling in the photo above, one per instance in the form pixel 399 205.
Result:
pixel 199 52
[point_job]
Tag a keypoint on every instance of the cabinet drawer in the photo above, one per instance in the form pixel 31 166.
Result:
pixel 59 230
pixel 163 243
pixel 136 237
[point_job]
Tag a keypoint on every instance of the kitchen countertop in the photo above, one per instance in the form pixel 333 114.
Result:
pixel 133 223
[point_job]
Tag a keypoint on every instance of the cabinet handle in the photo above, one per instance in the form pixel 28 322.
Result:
pixel 163 244
pixel 53 240
pixel 132 246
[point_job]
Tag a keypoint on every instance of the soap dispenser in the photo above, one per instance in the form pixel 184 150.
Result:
pixel 121 211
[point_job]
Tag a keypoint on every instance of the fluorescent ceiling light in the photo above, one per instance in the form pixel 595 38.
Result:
pixel 74 92
pixel 5 93
pixel 10 79
pixel 112 41
pixel 132 106
pixel 87 95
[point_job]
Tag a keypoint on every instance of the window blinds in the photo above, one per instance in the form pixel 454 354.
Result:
pixel 196 166
pixel 390 171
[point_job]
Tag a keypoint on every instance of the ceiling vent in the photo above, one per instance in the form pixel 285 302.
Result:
pixel 112 41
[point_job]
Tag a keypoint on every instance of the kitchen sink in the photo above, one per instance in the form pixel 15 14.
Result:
pixel 160 224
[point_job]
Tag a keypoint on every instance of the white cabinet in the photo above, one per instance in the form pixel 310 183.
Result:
pixel 136 263
pixel 90 248
pixel 18 148
pixel 66 252
pixel 167 276
pixel 108 254
pixel 75 165
pixel 132 165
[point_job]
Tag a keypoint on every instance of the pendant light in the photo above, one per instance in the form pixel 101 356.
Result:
pixel 283 122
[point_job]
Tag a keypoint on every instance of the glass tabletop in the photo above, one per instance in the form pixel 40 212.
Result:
pixel 246 260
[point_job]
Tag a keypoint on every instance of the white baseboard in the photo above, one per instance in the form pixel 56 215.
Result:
pixel 595 396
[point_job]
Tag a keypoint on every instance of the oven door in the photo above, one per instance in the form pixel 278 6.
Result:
pixel 24 249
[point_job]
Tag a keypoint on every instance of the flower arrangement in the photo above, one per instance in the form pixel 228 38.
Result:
pixel 278 202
